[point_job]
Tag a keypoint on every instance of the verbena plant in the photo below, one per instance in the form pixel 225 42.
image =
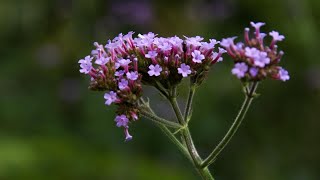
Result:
pixel 125 63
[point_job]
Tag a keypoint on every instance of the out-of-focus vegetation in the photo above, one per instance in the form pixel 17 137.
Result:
pixel 52 127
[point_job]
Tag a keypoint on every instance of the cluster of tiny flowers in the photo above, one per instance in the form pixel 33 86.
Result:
pixel 125 63
pixel 253 59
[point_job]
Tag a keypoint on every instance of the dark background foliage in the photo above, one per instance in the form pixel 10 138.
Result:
pixel 52 127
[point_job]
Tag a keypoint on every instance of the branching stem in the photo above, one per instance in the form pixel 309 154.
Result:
pixel 233 129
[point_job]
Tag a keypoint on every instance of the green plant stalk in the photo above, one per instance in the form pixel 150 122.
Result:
pixel 159 120
pixel 164 128
pixel 175 141
pixel 233 129
pixel 188 108
pixel 197 161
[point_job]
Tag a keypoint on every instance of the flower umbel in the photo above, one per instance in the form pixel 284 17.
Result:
pixel 124 63
pixel 255 60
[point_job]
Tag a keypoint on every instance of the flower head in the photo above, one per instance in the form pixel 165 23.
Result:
pixel 124 62
pixel 85 64
pixel 253 71
pixel 283 74
pixel 128 36
pixel 154 70
pixel 150 35
pixel 276 36
pixel 111 46
pixel 128 136
pixel 251 52
pixel 145 39
pixel 132 75
pixel 262 35
pixel 218 56
pixel 257 25
pixel 184 70
pixel 122 121
pixel 194 41
pixel 165 46
pixel 102 60
pixel 119 73
pixel 197 57
pixel 175 41
pixel 110 97
pixel 261 59
pixel 255 56
pixel 240 70
pixel 227 42
pixel 123 84
pixel 151 54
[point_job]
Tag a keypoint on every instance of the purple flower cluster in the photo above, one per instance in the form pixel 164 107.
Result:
pixel 125 63
pixel 253 59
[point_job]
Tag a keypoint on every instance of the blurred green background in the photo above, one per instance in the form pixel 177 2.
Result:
pixel 52 127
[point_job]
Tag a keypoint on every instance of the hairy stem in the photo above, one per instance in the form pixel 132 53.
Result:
pixel 148 113
pixel 187 110
pixel 158 120
pixel 197 161
pixel 233 129
pixel 175 141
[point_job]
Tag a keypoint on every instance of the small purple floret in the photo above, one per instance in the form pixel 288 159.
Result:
pixel 283 74
pixel 151 54
pixel 132 75
pixel 85 64
pixel 276 36
pixel 197 57
pixel 253 71
pixel 260 58
pixel 102 60
pixel 122 121
pixel 119 73
pixel 257 25
pixel 184 70
pixel 128 136
pixel 194 41
pixel 110 97
pixel 123 84
pixel 124 62
pixel 165 46
pixel 240 70
pixel 154 70
pixel 227 42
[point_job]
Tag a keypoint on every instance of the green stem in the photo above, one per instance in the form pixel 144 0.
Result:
pixel 233 129
pixel 187 110
pixel 161 89
pixel 165 130
pixel 204 172
pixel 197 161
pixel 180 146
pixel 159 120
pixel 176 109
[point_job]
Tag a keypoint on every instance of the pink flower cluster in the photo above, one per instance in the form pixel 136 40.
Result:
pixel 125 63
pixel 253 59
